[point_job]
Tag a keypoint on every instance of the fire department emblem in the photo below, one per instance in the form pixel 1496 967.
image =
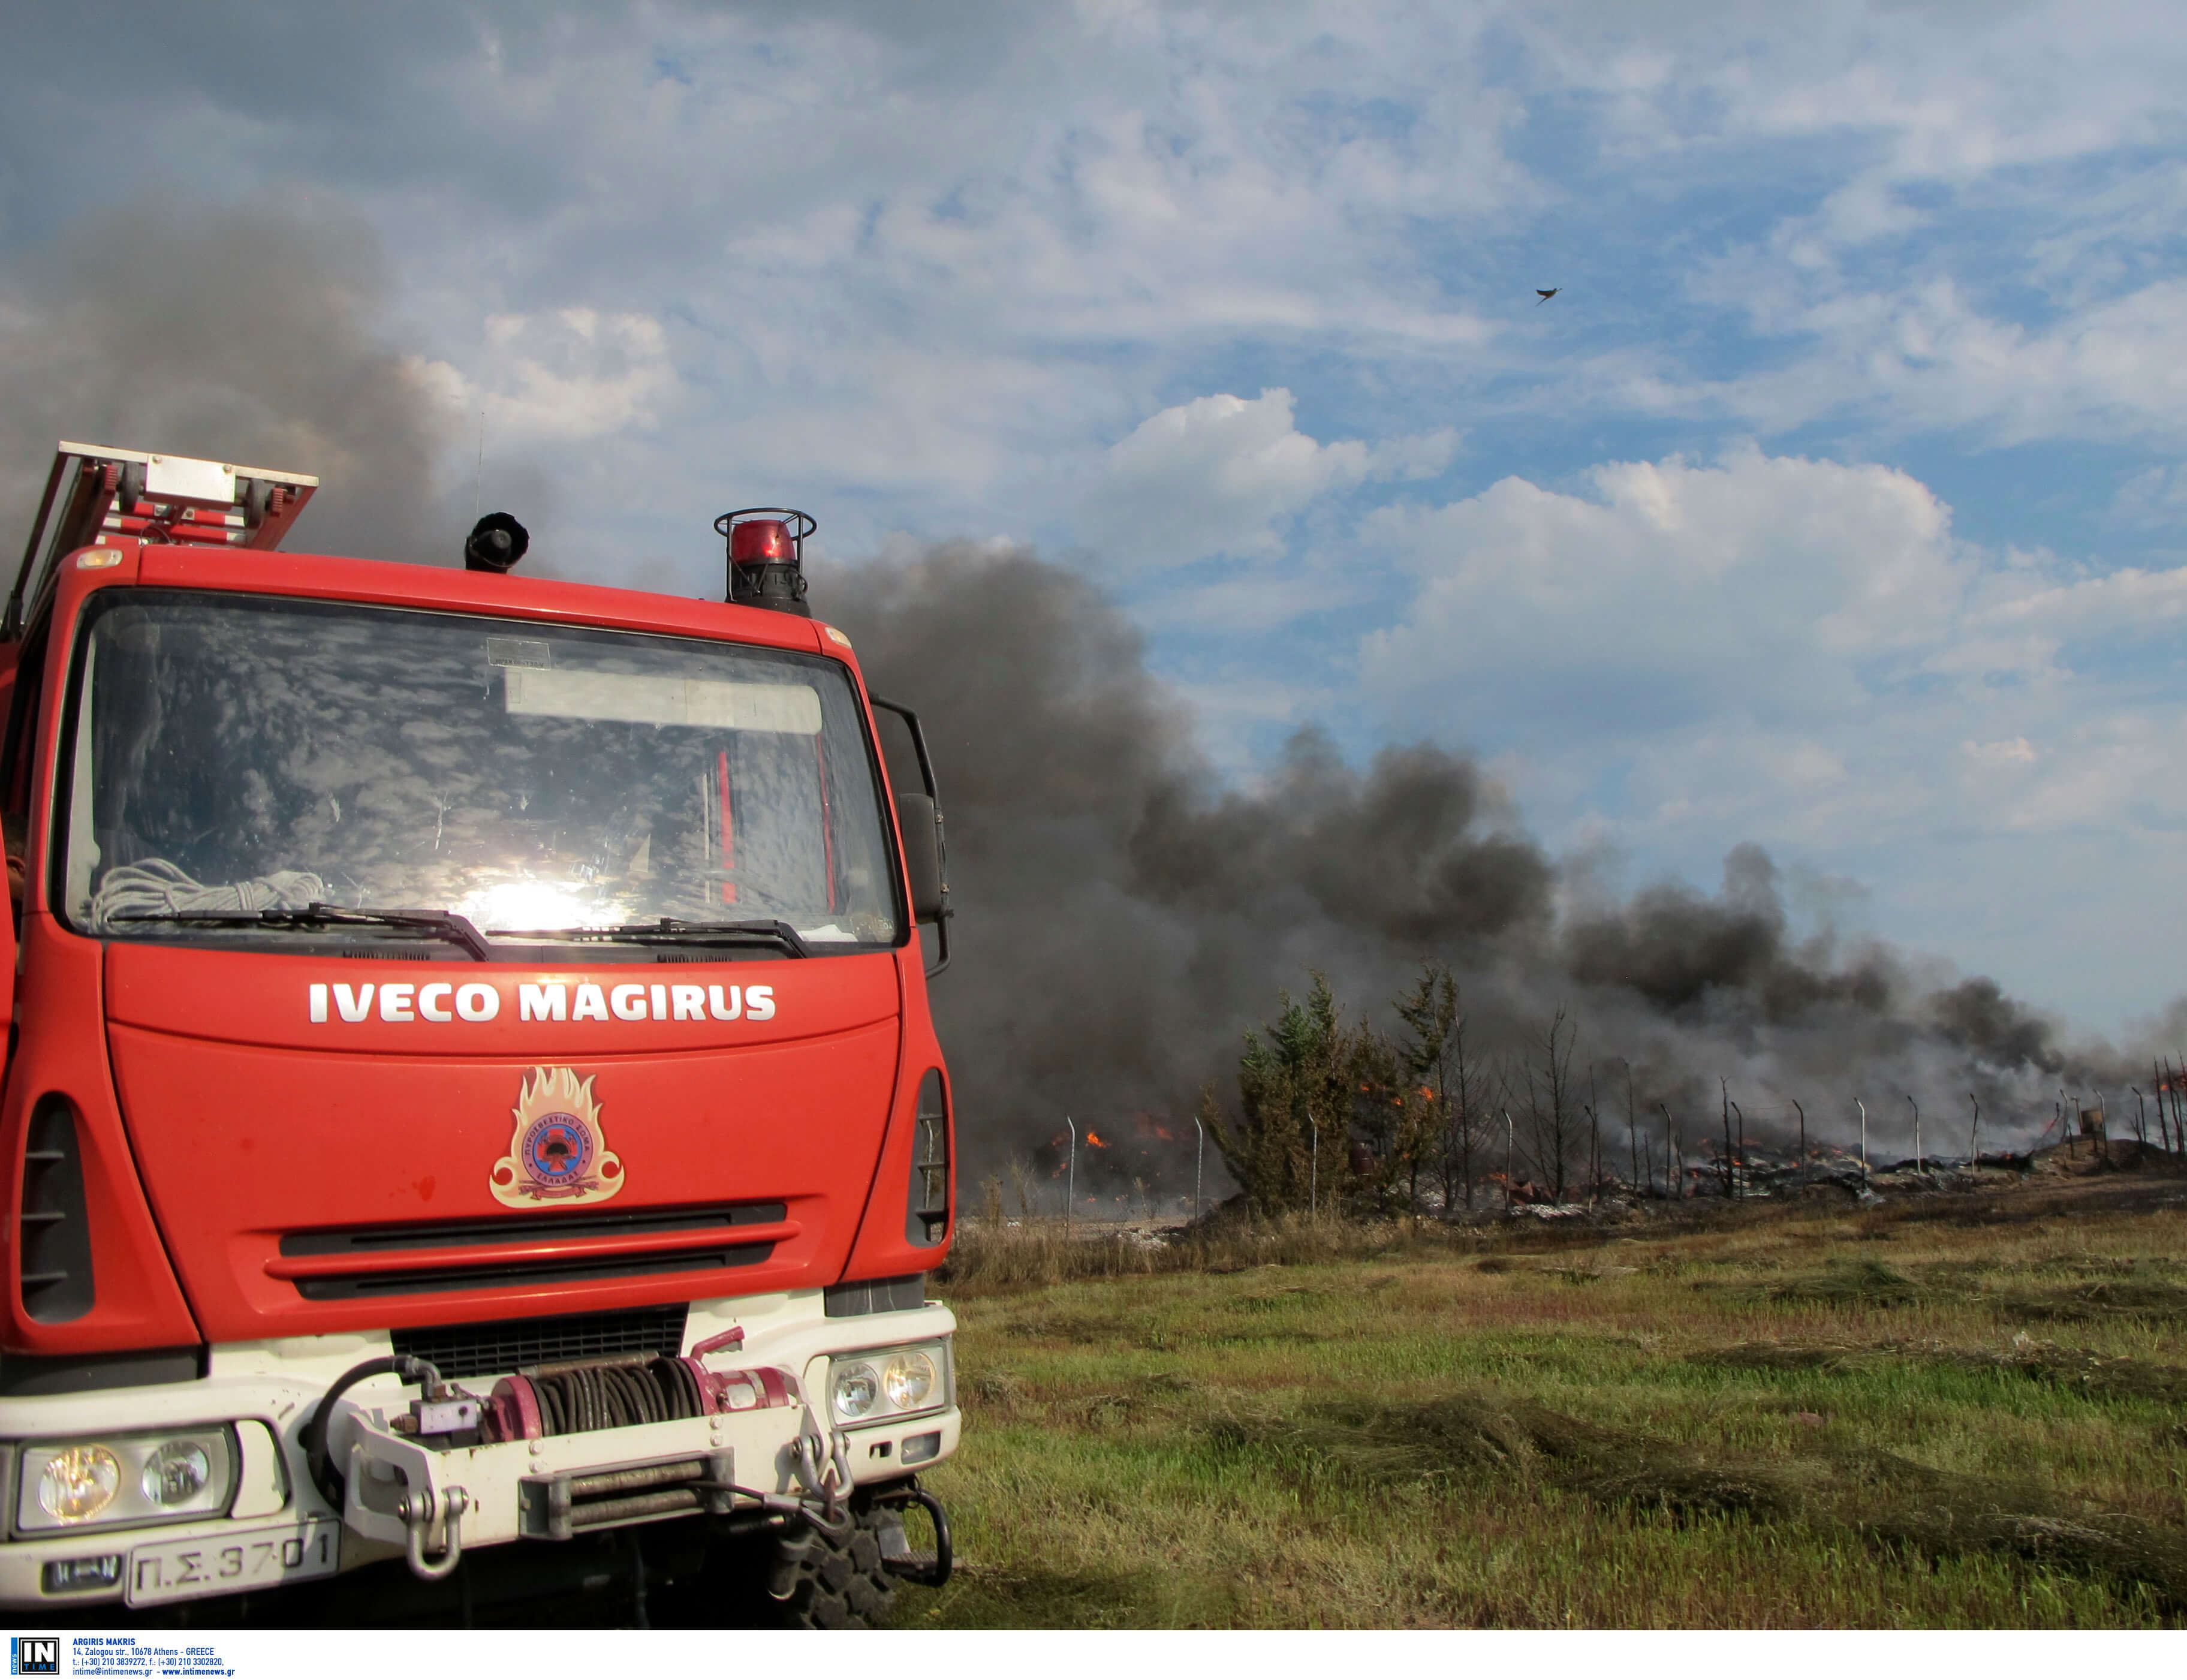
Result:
pixel 558 1153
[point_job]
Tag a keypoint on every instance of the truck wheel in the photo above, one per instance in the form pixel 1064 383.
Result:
pixel 824 1582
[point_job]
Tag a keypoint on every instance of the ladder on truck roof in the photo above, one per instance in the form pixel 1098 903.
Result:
pixel 94 491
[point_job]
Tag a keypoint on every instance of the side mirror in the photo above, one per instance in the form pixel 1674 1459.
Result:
pixel 922 855
pixel 926 858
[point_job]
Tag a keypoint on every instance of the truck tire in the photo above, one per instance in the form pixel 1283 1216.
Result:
pixel 825 1582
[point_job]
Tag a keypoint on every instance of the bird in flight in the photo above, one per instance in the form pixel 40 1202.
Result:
pixel 1548 295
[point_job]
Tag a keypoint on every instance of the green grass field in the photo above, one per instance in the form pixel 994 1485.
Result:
pixel 1952 1411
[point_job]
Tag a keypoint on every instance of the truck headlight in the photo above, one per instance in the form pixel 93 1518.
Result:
pixel 857 1390
pixel 175 1472
pixel 908 1377
pixel 119 1479
pixel 76 1483
pixel 890 1382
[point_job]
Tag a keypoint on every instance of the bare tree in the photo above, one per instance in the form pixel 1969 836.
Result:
pixel 1730 1184
pixel 1631 1132
pixel 1593 1140
pixel 1553 1110
pixel 1469 1106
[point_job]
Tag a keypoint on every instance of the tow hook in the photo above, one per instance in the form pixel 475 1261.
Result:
pixel 826 1479
pixel 421 1511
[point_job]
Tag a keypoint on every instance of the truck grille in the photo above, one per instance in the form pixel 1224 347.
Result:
pixel 515 1228
pixel 54 1235
pixel 878 1294
pixel 461 1351
pixel 927 1217
pixel 519 1274
pixel 361 1261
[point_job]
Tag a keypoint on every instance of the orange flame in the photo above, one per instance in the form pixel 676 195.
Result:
pixel 1094 1139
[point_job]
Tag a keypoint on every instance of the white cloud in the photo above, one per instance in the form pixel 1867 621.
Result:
pixel 1797 650
pixel 1745 583
pixel 1930 357
pixel 2012 754
pixel 2155 498
pixel 2128 602
pixel 1224 474
pixel 565 375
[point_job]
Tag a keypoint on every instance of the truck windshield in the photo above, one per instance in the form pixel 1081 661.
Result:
pixel 236 757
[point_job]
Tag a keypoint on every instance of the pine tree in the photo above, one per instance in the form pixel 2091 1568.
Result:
pixel 1300 1070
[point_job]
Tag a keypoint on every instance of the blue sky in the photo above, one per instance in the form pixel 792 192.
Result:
pixel 1833 504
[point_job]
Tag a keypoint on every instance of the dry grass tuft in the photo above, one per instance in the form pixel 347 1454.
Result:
pixel 1860 1493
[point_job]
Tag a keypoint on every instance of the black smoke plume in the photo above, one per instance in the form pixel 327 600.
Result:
pixel 240 335
pixel 1126 917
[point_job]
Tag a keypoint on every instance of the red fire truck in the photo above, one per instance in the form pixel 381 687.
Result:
pixel 472 1122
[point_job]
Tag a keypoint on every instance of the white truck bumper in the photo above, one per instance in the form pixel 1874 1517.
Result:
pixel 407 1495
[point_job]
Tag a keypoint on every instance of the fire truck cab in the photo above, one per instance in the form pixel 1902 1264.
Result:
pixel 471 1112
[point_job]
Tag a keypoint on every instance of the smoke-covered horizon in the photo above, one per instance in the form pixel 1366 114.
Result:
pixel 1125 914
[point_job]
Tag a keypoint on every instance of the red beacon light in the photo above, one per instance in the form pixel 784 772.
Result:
pixel 766 557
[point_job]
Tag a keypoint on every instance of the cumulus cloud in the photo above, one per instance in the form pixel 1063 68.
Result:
pixel 1224 474
pixel 1673 590
pixel 2128 602
pixel 1802 648
pixel 1936 355
pixel 565 375
pixel 1804 651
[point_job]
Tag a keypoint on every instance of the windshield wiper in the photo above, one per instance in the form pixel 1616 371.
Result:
pixel 671 930
pixel 438 923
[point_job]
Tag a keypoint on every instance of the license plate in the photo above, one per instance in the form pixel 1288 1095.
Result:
pixel 234 1563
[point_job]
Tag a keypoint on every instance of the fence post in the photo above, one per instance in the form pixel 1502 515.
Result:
pixel 1313 1171
pixel 1198 1164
